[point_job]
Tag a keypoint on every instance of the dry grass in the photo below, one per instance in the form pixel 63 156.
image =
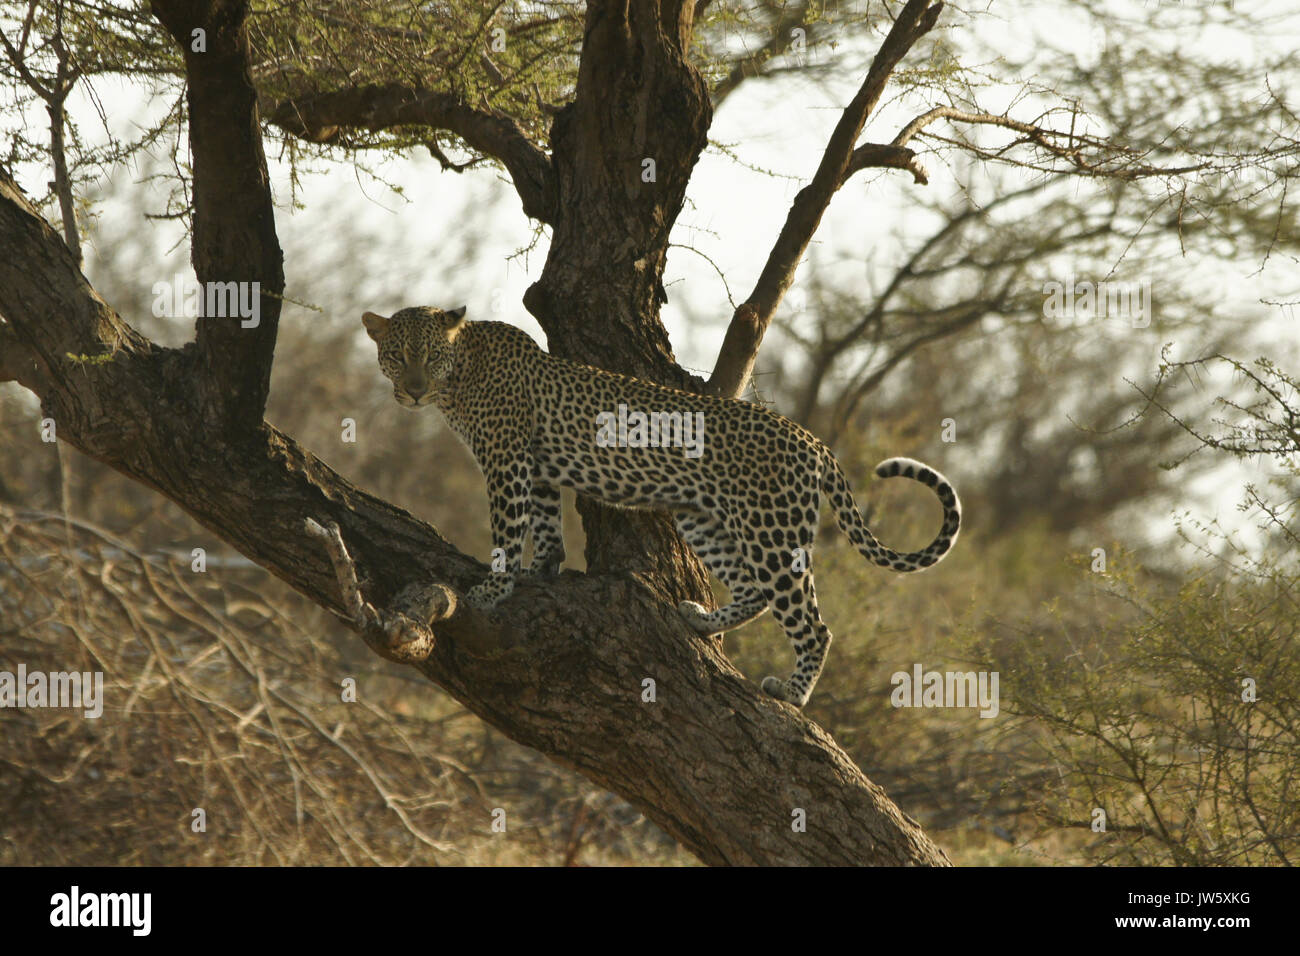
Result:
pixel 217 699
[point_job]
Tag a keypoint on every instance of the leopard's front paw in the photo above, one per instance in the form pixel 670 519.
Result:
pixel 546 567
pixel 491 592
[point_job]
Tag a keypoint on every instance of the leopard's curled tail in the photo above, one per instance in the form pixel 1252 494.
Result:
pixel 836 487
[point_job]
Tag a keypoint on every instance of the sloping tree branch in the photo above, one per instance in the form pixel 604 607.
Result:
pixel 322 117
pixel 744 335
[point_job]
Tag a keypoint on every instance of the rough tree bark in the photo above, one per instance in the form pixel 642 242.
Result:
pixel 559 666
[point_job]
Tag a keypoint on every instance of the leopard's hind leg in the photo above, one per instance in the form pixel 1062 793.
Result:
pixel 784 576
pixel 811 638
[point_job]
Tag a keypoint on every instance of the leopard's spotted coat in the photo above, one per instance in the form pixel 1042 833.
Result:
pixel 747 505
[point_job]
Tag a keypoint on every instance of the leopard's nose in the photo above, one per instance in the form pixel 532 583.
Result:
pixel 415 386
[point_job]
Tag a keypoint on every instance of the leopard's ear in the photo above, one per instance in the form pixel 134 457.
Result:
pixel 376 325
pixel 456 322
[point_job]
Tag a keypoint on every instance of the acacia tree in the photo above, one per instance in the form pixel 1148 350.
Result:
pixel 560 665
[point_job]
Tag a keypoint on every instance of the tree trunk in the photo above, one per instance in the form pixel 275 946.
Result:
pixel 622 153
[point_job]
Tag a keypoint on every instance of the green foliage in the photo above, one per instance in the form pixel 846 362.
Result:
pixel 90 359
pixel 517 57
pixel 1175 711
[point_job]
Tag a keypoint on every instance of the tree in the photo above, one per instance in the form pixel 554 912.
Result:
pixel 560 667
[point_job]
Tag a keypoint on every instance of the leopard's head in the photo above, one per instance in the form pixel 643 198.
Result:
pixel 415 350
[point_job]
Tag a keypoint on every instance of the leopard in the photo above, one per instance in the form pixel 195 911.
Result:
pixel 744 484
